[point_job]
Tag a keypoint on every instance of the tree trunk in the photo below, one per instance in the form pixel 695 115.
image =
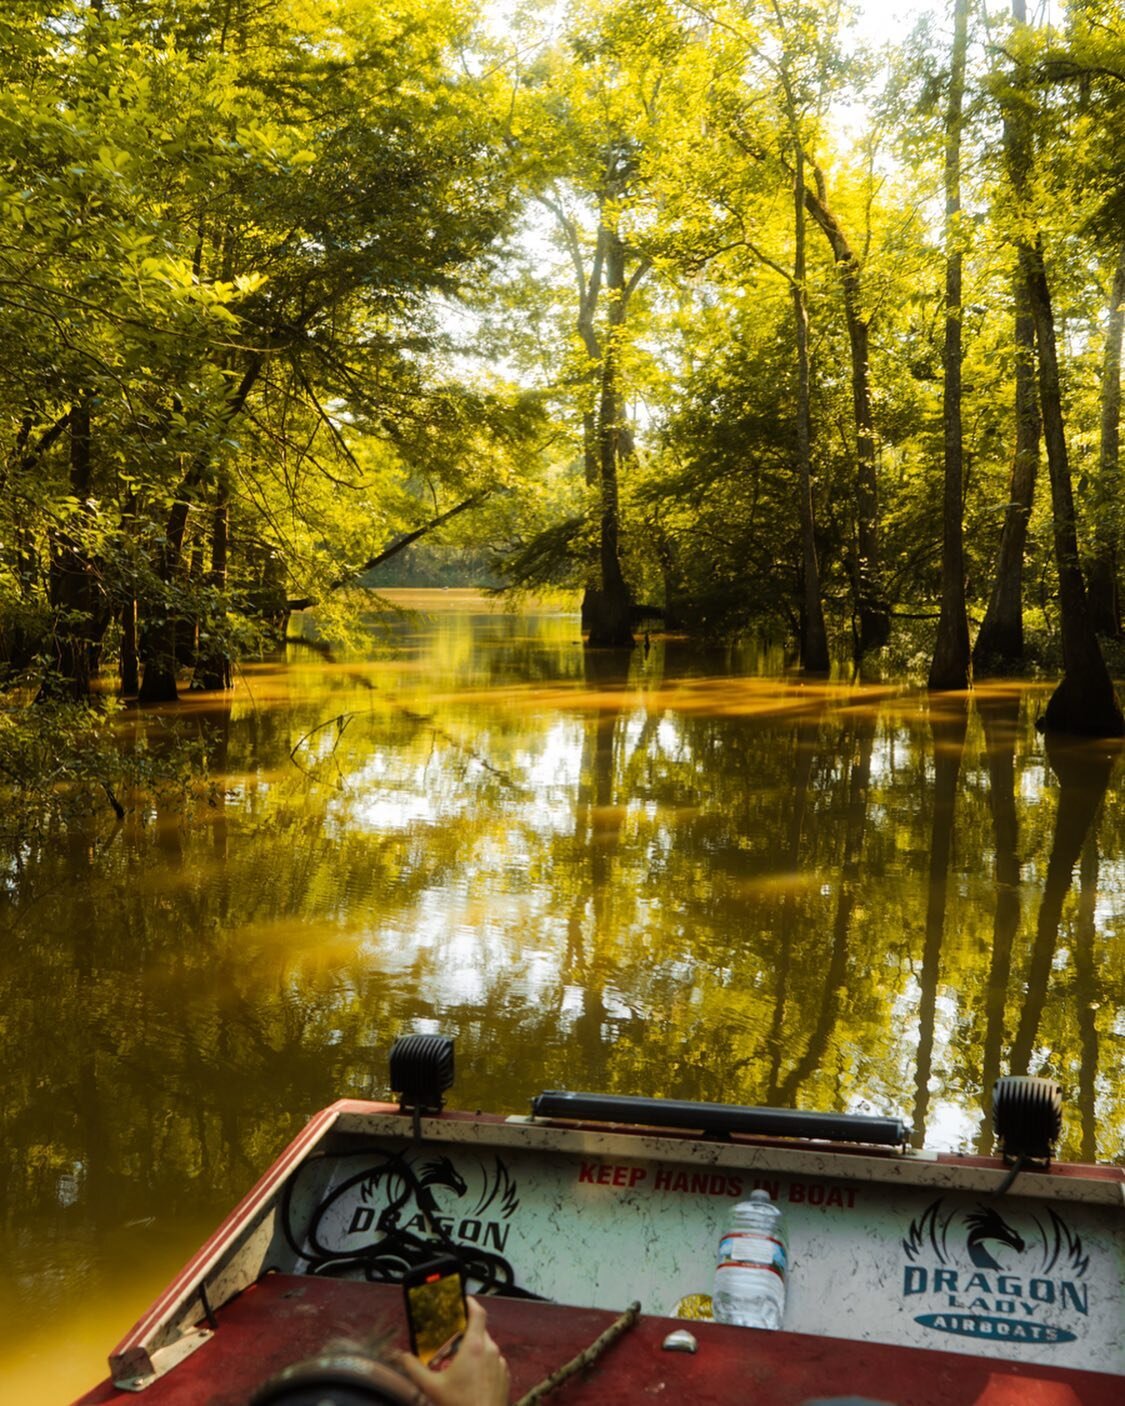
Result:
pixel 590 464
pixel 589 292
pixel 158 639
pixel 1084 702
pixel 950 666
pixel 77 595
pixel 611 606
pixel 1105 603
pixel 814 638
pixel 188 625
pixel 130 659
pixel 999 642
pixel 20 643
pixel 872 611
pixel 214 667
pixel 159 650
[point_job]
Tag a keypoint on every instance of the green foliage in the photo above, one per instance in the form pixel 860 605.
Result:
pixel 225 232
pixel 285 281
pixel 700 109
pixel 61 765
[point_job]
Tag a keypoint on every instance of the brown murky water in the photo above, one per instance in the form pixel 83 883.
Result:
pixel 666 877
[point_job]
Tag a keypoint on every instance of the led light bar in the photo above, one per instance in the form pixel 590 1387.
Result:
pixel 720 1119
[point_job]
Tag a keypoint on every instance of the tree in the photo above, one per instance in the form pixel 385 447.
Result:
pixel 872 611
pixel 1104 593
pixel 1084 701
pixel 950 665
pixel 213 318
pixel 814 637
pixel 999 644
pixel 800 54
pixel 589 138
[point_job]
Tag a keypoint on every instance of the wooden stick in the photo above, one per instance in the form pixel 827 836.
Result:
pixel 585 1358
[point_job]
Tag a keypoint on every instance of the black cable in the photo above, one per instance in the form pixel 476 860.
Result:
pixel 1005 1185
pixel 386 1260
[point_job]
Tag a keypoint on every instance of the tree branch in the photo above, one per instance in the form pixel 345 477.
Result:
pixel 585 1358
pixel 401 543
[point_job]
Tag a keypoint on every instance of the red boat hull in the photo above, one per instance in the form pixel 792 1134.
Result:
pixel 285 1318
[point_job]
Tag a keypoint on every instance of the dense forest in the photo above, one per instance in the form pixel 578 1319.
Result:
pixel 709 311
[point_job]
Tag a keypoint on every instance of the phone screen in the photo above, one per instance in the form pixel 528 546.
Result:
pixel 435 1308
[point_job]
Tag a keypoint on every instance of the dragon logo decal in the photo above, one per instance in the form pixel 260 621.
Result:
pixel 1012 1275
pixel 986 1224
pixel 398 1210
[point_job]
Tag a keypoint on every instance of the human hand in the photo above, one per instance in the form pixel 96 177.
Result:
pixel 477 1375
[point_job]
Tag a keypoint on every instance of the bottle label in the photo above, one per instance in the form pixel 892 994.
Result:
pixel 741 1251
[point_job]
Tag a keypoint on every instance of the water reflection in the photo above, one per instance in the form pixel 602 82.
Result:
pixel 949 715
pixel 667 877
pixel 999 715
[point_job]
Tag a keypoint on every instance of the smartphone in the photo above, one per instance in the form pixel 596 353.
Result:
pixel 435 1308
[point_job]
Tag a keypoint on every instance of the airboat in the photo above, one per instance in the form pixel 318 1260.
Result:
pixel 589 1228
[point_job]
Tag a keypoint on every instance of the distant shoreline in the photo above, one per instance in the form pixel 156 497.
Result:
pixel 438 598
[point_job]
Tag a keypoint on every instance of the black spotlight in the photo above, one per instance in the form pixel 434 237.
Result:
pixel 421 1071
pixel 1027 1117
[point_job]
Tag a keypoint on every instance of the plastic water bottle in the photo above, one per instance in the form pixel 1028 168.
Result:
pixel 753 1263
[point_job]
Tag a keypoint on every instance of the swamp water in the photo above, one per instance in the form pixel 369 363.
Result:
pixel 667 876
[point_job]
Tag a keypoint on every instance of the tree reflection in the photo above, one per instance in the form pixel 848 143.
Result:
pixel 789 918
pixel 1087 997
pixel 948 724
pixel 1083 772
pixel 860 740
pixel 999 713
pixel 597 831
